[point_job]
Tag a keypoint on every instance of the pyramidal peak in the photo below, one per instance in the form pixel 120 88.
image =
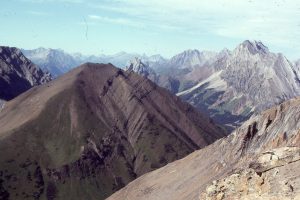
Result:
pixel 253 47
pixel 137 66
pixel 191 51
pixel 225 51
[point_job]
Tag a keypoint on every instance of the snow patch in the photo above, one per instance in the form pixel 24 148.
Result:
pixel 214 82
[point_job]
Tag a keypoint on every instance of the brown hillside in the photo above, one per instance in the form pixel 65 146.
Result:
pixel 90 132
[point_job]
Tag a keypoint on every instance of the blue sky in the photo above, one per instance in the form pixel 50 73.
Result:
pixel 162 27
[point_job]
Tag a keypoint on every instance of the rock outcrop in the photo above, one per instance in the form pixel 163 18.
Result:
pixel 273 175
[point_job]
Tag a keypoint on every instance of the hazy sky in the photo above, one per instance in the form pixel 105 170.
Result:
pixel 150 26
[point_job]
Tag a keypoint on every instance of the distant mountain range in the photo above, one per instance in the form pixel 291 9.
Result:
pixel 229 85
pixel 55 61
pixel 58 62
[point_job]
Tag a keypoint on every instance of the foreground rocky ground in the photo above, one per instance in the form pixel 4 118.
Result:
pixel 274 175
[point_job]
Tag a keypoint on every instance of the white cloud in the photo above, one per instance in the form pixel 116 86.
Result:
pixel 38 13
pixel 94 17
pixel 120 21
pixel 55 1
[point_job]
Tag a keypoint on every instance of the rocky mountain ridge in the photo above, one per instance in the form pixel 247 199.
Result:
pixel 258 160
pixel 58 62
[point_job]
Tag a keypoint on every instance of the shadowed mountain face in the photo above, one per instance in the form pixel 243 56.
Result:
pixel 17 74
pixel 90 132
pixel 259 160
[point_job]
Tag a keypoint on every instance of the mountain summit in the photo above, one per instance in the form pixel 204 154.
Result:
pixel 91 131
pixel 191 58
pixel 136 65
pixel 253 47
